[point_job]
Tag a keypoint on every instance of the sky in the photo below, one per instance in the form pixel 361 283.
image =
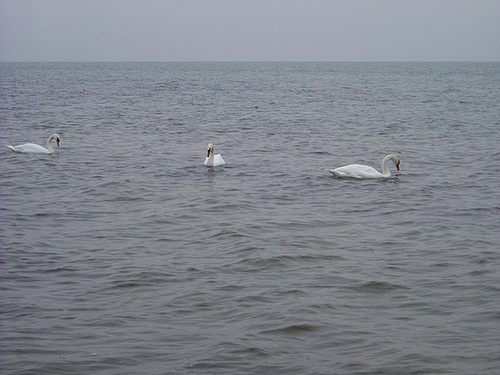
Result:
pixel 249 30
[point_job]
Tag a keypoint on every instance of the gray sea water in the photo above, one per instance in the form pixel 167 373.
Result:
pixel 122 254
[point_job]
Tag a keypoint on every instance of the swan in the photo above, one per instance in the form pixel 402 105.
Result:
pixel 364 171
pixel 212 159
pixel 33 148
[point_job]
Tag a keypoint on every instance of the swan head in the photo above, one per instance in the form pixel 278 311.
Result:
pixel 210 149
pixel 396 161
pixel 56 137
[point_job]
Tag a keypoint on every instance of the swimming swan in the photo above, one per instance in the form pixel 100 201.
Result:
pixel 364 171
pixel 33 148
pixel 213 160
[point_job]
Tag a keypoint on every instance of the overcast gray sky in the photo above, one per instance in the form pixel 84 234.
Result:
pixel 250 30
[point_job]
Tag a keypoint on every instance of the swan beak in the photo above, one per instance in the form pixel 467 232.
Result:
pixel 57 141
pixel 397 166
pixel 208 153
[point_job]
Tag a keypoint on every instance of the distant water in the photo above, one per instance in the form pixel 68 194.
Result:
pixel 123 254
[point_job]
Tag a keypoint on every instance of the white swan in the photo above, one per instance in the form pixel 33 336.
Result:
pixel 364 171
pixel 213 160
pixel 33 148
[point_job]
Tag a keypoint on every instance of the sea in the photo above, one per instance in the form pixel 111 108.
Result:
pixel 121 253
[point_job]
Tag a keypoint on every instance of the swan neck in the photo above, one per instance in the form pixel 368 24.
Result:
pixel 211 155
pixel 385 168
pixel 49 144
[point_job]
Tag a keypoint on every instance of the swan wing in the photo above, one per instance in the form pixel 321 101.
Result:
pixel 356 171
pixel 209 162
pixel 218 160
pixel 215 162
pixel 29 148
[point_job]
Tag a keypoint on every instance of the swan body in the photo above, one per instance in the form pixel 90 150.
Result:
pixel 364 171
pixel 34 148
pixel 212 159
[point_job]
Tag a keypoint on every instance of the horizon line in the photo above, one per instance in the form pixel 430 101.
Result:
pixel 249 61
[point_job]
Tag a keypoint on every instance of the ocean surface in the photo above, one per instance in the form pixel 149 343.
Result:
pixel 122 254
